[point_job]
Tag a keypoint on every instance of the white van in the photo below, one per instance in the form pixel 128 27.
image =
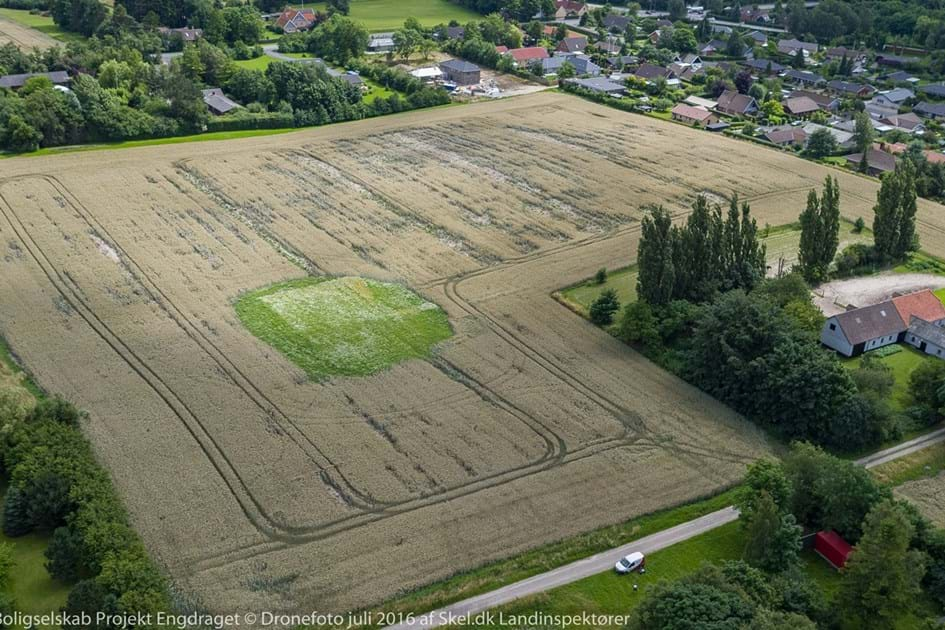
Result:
pixel 634 562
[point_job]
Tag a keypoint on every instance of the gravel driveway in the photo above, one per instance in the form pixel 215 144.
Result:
pixel 834 297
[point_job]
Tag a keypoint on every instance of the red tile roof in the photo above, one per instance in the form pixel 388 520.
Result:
pixel 527 54
pixel 921 304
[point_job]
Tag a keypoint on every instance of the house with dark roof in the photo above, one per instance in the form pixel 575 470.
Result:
pixel 217 102
pixel 837 53
pixel 901 76
pixel 187 35
pixel 601 85
pixel 763 66
pixel 936 90
pixel 460 71
pixel 712 47
pixel 455 32
pixel 848 88
pixel 791 46
pixel 933 111
pixel 608 47
pixel 877 161
pixel 803 77
pixel 572 44
pixel 915 318
pixel 731 102
pixel 910 122
pixel 650 72
pixel 16 81
pixel 758 38
pixel 583 66
pixel 895 61
pixel 616 23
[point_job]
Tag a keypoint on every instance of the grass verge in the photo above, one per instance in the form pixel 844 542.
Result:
pixel 547 557
pixel 922 464
pixel 343 326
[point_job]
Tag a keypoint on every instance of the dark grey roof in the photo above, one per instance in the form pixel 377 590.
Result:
pixel 849 87
pixel 935 89
pixel 218 102
pixel 764 64
pixel 930 109
pixel 614 21
pixel 899 75
pixel 871 322
pixel 803 75
pixel 927 331
pixel 58 77
pixel 455 32
pixel 600 84
pixel 459 65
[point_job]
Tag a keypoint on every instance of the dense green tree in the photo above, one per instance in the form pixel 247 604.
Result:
pixel 820 232
pixel 863 134
pixel 766 477
pixel 339 38
pixel 882 576
pixel 894 213
pixel 64 555
pixel 48 500
pixel 604 307
pixel 16 518
pixel 698 265
pixel 638 325
pixel 684 604
pixel 772 538
pixel 340 6
pixel 656 278
pixel 927 388
pixel 742 253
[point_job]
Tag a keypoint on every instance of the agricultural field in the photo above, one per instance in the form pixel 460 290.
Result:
pixel 389 15
pixel 122 279
pixel 28 30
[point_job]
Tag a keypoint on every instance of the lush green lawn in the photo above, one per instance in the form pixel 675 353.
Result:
pixel 259 63
pixel 902 363
pixel 611 594
pixel 623 281
pixel 40 23
pixel 343 326
pixel 389 15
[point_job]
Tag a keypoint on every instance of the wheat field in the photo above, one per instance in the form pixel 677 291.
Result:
pixel 257 487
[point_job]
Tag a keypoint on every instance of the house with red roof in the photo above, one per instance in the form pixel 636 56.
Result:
pixel 917 319
pixel 522 56
pixel 295 20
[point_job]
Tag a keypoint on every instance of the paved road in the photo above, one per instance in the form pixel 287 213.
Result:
pixel 605 560
pixel 568 573
pixel 901 450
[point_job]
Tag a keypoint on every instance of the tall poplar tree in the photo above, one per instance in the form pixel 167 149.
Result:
pixel 656 278
pixel 820 231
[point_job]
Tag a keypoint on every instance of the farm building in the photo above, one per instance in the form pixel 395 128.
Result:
pixel 916 318
pixel 460 72
pixel 381 43
pixel 832 548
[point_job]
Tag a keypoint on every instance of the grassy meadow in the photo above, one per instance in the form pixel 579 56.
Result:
pixel 389 15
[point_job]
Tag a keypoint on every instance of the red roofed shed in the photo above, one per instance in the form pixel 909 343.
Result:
pixel 832 547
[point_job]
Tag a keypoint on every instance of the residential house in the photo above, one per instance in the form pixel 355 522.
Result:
pixel 690 115
pixel 901 76
pixel 650 72
pixel 837 53
pixel 791 46
pixel 935 90
pixel 350 77
pixel 523 56
pixel 690 59
pixel 826 102
pixel 698 101
pixel 758 38
pixel 654 37
pixel 927 337
pixel 217 102
pixel 786 135
pixel 616 23
pixel 569 9
pixel 16 81
pixel 895 61
pixel 721 29
pixel 910 122
pixel 664 23
pixel 892 99
pixel 800 106
pixel 803 77
pixel 850 89
pixel 381 43
pixel 188 35
pixel 844 138
pixel 460 71
pixel 296 20
pixel 877 161
pixel 455 32
pixel 608 47
pixel 572 44
pixel 751 15
pixel 621 62
pixel 714 46
pixel 428 74
pixel 601 85
pixel 583 66
pixel 933 111
pixel 731 102
pixel 763 66
pixel 859 330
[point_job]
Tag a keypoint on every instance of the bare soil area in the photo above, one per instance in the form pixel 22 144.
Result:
pixel 928 495
pixel 258 488
pixel 836 296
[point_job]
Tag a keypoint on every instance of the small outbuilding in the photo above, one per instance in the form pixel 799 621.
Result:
pixel 832 548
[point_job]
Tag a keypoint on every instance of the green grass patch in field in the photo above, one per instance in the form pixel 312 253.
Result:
pixel 389 15
pixel 922 262
pixel 41 23
pixel 547 557
pixel 623 281
pixel 344 326
pixel 259 63
pixel 34 592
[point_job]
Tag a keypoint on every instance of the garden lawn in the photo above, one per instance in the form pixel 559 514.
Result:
pixel 902 363
pixel 40 23
pixel 259 63
pixel 344 326
pixel 389 15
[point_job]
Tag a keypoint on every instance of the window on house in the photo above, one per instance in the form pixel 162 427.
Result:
pixel 833 326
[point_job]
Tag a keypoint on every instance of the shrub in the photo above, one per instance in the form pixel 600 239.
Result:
pixel 601 276
pixel 604 307
pixel 64 555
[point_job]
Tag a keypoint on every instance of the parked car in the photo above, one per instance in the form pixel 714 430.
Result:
pixel 628 564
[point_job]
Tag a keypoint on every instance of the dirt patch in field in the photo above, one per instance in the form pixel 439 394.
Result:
pixel 837 296
pixel 528 425
pixel 928 495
